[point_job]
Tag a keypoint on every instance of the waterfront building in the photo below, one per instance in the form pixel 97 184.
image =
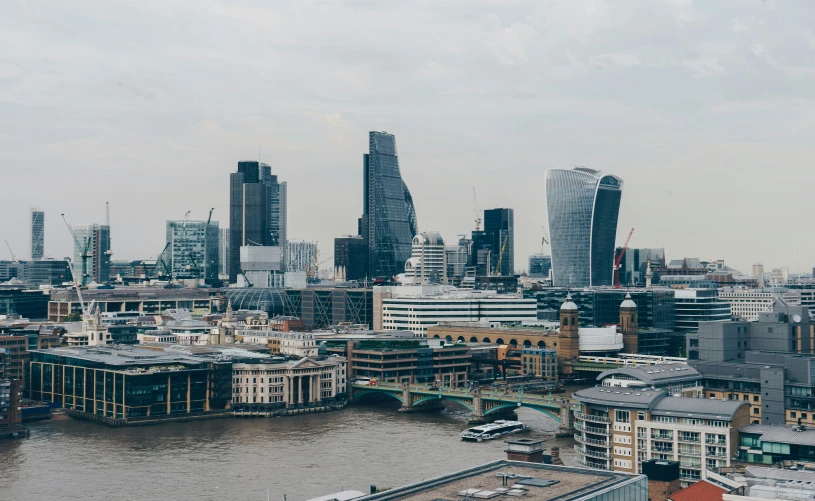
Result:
pixel 416 308
pixel 300 255
pixel 279 383
pixel 37 234
pixel 147 300
pixel 11 396
pixel 249 213
pixel 15 357
pixel 350 258
pixel 539 363
pixel 620 428
pixel 193 250
pixel 428 260
pixel 582 207
pixel 694 306
pixel 388 221
pixel 223 252
pixel 92 241
pixel 635 262
pixel 498 239
pixel 747 304
pixel 675 378
pixel 532 481
pixel 539 265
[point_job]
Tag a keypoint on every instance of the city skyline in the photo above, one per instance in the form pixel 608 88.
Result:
pixel 492 106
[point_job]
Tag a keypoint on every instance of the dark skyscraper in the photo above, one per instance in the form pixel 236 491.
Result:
pixel 37 234
pixel 276 191
pixel 388 221
pixel 249 213
pixel 499 227
pixel 583 206
pixel 350 258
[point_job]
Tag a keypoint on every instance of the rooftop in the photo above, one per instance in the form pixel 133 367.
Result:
pixel 700 491
pixel 656 374
pixel 782 434
pixel 626 396
pixel 533 481
pixel 660 403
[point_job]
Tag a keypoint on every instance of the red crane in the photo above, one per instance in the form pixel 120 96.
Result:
pixel 620 260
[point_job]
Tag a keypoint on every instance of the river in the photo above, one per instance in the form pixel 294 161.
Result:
pixel 239 459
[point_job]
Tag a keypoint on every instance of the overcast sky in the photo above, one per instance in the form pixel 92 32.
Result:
pixel 706 110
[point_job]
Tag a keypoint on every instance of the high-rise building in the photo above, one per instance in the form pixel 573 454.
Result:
pixel 582 206
pixel 539 265
pixel 300 255
pixel 388 221
pixel 497 237
pixel 223 251
pixel 37 234
pixel 193 250
pixel 635 262
pixel 458 260
pixel 277 192
pixel 428 260
pixel 350 258
pixel 249 213
pixel 92 253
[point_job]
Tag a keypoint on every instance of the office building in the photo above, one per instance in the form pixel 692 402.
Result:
pixel 278 199
pixel 620 428
pixel 146 300
pixel 11 397
pixel 37 234
pixel 193 250
pixel 300 255
pixel 249 213
pixel 428 260
pixel 746 304
pixel 388 221
pixel 20 300
pixel 261 266
pixel 458 258
pixel 539 265
pixel 322 307
pixel 635 263
pixel 582 207
pixel 223 252
pixel 773 444
pixel 350 258
pixel 699 305
pixel 498 239
pixel 13 269
pixel 92 253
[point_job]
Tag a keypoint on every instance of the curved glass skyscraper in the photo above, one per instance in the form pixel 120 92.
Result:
pixel 582 206
pixel 388 222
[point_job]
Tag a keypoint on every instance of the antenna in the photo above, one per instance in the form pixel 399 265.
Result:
pixel 477 212
pixel 107 213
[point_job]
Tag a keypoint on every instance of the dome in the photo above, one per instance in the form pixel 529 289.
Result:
pixel 428 238
pixel 568 305
pixel 628 303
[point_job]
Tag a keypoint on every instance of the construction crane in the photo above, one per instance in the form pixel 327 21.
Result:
pixel 312 271
pixel 477 212
pixel 160 259
pixel 13 257
pixel 206 242
pixel 497 272
pixel 544 240
pixel 84 251
pixel 186 216
pixel 620 260
pixel 73 275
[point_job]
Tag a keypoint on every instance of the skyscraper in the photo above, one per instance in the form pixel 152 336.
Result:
pixel 37 234
pixel 350 258
pixel 498 234
pixel 249 213
pixel 276 191
pixel 300 255
pixel 223 251
pixel 582 206
pixel 193 250
pixel 92 255
pixel 388 221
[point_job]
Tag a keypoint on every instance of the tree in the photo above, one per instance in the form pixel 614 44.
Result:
pixel 74 317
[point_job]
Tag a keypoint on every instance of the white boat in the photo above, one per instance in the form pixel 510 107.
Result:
pixel 493 430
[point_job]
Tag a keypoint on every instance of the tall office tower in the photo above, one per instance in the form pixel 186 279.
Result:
pixel 223 251
pixel 582 206
pixel 249 213
pixel 92 255
pixel 193 250
pixel 276 191
pixel 37 234
pixel 539 265
pixel 635 263
pixel 388 221
pixel 350 258
pixel 458 260
pixel 498 239
pixel 428 260
pixel 300 255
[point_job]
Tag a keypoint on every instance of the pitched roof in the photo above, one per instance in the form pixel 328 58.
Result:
pixel 700 491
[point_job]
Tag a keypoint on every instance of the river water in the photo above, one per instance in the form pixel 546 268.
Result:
pixel 239 459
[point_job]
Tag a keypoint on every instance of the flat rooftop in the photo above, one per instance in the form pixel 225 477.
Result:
pixel 569 483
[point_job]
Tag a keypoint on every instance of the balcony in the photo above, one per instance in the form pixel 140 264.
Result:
pixel 593 465
pixel 592 418
pixel 664 450
pixel 690 439
pixel 591 441
pixel 690 463
pixel 713 441
pixel 590 453
pixel 689 451
pixel 581 426
pixel 662 436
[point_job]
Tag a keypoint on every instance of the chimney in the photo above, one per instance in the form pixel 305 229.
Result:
pixel 556 456
pixel 525 449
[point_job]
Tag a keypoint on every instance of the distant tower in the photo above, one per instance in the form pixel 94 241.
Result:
pixel 648 275
pixel 37 234
pixel 628 324
pixel 569 338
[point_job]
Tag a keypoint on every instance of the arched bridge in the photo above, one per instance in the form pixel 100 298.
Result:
pixel 481 402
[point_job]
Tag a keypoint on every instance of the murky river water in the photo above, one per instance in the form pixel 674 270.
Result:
pixel 239 459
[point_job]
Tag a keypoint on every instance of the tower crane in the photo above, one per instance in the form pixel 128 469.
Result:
pixel 186 216
pixel 206 244
pixel 84 251
pixel 620 260
pixel 13 256
pixel 477 212
pixel 497 272
pixel 85 314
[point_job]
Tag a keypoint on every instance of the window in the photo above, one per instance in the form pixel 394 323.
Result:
pixel 622 417
pixel 792 415
pixel 755 398
pixel 694 343
pixel 755 410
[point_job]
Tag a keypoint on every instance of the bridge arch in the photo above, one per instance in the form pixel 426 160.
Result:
pixel 436 336
pixel 465 403
pixel 487 340
pixel 515 405
pixel 373 391
pixel 449 339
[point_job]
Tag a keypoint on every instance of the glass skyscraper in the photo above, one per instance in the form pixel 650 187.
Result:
pixel 37 234
pixel 388 221
pixel 499 228
pixel 582 206
pixel 94 240
pixel 193 249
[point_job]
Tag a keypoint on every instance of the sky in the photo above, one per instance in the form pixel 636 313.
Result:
pixel 705 109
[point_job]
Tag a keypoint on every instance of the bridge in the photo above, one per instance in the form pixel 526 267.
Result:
pixel 481 402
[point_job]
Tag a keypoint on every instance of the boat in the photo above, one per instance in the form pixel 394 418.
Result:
pixel 493 430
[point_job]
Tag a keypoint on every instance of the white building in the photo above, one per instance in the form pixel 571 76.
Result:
pixel 300 255
pixel 157 336
pixel 428 260
pixel 262 266
pixel 599 339
pixel 290 383
pixel 415 308
pixel 748 303
pixel 297 344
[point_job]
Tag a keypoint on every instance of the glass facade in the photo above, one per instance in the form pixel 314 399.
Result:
pixel 582 207
pixel 193 250
pixel 656 308
pixel 350 258
pixel 499 227
pixel 389 219
pixel 539 265
pixel 249 213
pixel 37 234
pixel 94 240
pixel 276 192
